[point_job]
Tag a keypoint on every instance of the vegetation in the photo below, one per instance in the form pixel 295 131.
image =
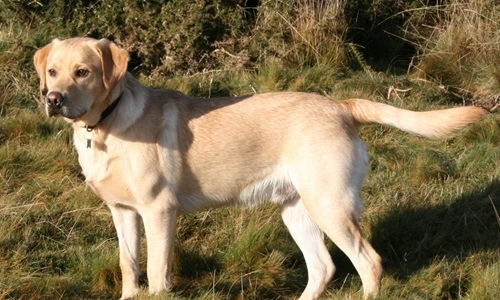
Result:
pixel 431 206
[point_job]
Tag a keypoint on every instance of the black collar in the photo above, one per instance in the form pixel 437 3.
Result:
pixel 105 114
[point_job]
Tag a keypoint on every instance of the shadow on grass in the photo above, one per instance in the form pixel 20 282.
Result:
pixel 410 239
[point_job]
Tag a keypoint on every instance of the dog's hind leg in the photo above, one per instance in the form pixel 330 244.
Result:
pixel 309 238
pixel 330 189
pixel 344 231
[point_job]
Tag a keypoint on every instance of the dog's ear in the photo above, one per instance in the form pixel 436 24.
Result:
pixel 114 62
pixel 40 62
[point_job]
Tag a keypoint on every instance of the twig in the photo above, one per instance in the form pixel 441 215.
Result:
pixel 496 212
pixel 226 52
pixel 20 206
pixel 206 72
pixel 395 91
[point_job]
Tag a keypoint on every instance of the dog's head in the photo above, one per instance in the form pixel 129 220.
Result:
pixel 79 75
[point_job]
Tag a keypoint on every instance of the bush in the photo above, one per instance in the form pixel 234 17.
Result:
pixel 166 37
pixel 192 36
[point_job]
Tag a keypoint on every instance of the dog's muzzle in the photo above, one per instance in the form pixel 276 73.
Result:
pixel 54 103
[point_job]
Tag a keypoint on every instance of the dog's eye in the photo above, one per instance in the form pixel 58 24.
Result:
pixel 81 73
pixel 52 72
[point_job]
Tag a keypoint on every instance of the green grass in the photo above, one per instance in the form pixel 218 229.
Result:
pixel 431 206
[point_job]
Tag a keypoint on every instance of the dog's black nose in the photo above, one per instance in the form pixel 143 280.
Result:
pixel 54 99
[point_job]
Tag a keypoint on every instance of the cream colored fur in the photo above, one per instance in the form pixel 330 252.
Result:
pixel 161 153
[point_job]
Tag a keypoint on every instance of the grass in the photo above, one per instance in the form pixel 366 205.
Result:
pixel 431 206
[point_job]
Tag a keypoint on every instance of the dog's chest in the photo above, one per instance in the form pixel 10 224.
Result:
pixel 110 190
pixel 105 176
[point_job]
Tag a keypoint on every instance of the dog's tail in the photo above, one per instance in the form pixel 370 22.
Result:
pixel 431 124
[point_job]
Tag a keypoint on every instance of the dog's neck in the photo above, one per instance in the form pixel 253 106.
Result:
pixel 127 94
pixel 106 112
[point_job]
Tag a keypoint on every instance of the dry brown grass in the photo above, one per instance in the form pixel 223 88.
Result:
pixel 303 32
pixel 461 50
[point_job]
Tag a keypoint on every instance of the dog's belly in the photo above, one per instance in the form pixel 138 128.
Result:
pixel 275 187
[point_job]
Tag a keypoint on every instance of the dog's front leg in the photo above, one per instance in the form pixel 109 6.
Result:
pixel 159 224
pixel 127 224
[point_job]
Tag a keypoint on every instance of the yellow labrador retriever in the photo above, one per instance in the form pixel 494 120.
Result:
pixel 151 154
